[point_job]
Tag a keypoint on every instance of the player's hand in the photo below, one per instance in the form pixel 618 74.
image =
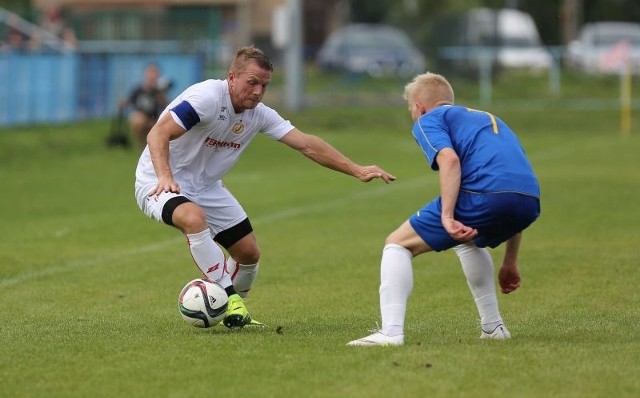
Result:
pixel 458 230
pixel 368 173
pixel 509 278
pixel 166 184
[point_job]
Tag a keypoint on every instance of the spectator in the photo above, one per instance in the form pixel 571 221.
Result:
pixel 147 100
pixel 54 32
pixel 15 41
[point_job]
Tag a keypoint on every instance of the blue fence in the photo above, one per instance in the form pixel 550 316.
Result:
pixel 56 88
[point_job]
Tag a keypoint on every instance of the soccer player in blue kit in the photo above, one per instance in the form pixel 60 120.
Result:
pixel 488 195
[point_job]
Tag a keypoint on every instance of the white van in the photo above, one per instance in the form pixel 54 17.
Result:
pixel 508 36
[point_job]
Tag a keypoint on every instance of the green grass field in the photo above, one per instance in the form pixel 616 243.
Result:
pixel 89 285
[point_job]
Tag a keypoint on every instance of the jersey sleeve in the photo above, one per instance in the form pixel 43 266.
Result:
pixel 274 126
pixel 432 135
pixel 185 115
pixel 193 105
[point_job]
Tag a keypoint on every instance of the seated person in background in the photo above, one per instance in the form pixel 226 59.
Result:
pixel 147 100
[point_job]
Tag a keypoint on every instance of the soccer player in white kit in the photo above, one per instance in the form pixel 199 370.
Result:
pixel 196 141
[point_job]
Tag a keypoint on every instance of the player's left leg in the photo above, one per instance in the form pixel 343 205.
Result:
pixel 477 266
pixel 497 218
pixel 242 275
pixel 243 263
pixel 240 242
pixel 233 231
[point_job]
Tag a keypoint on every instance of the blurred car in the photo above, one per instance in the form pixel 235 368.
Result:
pixel 602 47
pixel 519 42
pixel 373 49
pixel 507 37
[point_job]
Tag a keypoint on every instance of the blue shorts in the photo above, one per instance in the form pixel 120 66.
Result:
pixel 496 216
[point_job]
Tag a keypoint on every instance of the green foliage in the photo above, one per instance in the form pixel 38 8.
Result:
pixel 16 6
pixel 369 11
pixel 88 285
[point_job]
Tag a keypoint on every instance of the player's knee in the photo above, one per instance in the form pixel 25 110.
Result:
pixel 248 256
pixel 391 240
pixel 189 218
pixel 240 242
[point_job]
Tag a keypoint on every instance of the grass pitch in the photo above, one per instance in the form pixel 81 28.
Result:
pixel 89 285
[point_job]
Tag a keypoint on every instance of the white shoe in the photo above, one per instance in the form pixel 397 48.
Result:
pixel 378 339
pixel 499 333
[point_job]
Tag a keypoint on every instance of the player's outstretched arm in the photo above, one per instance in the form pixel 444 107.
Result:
pixel 321 152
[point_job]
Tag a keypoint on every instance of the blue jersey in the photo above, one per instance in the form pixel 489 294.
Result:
pixel 492 159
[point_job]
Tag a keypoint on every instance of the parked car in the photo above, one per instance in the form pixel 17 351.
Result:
pixel 374 49
pixel 600 42
pixel 508 38
pixel 520 44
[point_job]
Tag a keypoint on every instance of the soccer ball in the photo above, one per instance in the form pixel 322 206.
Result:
pixel 202 303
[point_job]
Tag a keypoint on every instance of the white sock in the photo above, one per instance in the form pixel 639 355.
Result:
pixel 242 276
pixel 396 283
pixel 209 257
pixel 477 266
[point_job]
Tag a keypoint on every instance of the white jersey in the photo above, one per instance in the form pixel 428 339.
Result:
pixel 215 137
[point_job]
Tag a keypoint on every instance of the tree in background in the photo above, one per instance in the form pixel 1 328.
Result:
pixel 20 7
pixel 613 10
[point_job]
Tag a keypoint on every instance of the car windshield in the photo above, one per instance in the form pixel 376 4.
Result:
pixel 374 39
pixel 605 38
pixel 520 42
pixel 609 40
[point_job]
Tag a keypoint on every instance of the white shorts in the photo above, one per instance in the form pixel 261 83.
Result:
pixel 222 209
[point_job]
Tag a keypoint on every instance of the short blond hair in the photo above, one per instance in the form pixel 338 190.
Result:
pixel 244 55
pixel 430 89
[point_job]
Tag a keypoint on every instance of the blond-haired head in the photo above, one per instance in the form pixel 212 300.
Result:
pixel 426 91
pixel 248 54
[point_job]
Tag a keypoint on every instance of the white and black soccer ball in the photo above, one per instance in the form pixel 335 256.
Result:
pixel 203 303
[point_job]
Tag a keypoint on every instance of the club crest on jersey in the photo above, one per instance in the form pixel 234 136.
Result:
pixel 237 128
